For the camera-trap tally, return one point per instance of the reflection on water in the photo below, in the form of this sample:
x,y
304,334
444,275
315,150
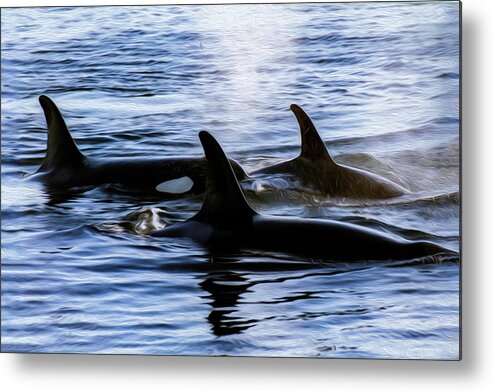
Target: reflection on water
x,y
225,290
380,81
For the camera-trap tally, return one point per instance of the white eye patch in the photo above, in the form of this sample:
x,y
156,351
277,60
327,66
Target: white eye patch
x,y
176,186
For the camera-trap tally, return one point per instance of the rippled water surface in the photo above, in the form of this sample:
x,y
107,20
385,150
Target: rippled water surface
x,y
381,83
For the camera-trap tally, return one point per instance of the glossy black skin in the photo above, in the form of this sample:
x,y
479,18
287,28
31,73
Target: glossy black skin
x,y
65,167
132,174
336,180
316,169
226,222
314,238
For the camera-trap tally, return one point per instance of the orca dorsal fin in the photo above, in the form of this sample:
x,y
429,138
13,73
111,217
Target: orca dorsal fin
x,y
224,202
312,145
61,149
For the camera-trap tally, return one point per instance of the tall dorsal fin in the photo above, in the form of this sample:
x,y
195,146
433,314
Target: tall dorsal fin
x,y
224,203
312,145
61,149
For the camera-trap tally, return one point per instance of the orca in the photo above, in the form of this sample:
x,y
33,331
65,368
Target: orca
x,y
227,222
316,169
65,167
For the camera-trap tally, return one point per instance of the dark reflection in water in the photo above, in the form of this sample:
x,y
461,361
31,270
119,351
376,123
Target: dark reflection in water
x,y
225,289
379,80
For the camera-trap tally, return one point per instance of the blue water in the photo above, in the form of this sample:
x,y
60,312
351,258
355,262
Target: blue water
x,y
381,83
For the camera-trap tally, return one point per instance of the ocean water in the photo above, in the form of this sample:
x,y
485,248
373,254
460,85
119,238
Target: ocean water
x,y
381,83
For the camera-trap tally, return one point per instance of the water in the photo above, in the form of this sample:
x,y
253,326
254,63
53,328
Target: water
x,y
380,82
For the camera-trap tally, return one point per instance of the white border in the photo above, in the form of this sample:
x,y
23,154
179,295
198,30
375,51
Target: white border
x,y
30,3
30,372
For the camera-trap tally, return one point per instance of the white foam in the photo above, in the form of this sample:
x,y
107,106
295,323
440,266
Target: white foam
x,y
176,186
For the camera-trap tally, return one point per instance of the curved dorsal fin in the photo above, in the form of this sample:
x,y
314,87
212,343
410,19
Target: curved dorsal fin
x,y
224,202
61,149
312,145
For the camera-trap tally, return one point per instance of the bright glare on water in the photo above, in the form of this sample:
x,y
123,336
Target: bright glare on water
x,y
381,83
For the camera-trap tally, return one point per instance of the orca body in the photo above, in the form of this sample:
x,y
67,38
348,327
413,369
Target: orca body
x,y
65,167
226,222
315,168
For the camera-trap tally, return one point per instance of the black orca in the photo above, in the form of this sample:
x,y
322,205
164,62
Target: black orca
x,y
227,222
315,168
65,167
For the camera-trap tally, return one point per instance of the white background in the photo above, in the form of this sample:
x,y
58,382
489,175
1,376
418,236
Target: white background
x,y
474,373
